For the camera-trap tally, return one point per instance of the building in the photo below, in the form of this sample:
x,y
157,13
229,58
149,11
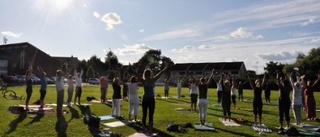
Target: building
x,y
183,70
19,56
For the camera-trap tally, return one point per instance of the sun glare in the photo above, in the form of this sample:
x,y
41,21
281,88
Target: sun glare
x,y
57,5
62,4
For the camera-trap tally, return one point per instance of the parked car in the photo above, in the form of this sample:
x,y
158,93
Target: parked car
x,y
49,81
21,78
35,80
94,81
10,79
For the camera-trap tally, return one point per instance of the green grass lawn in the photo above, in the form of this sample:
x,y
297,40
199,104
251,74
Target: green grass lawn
x,y
23,125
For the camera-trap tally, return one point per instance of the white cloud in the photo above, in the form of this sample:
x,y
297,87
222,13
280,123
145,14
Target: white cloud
x,y
310,21
272,15
11,34
315,40
135,49
243,33
96,14
111,19
84,5
280,56
183,31
141,30
189,48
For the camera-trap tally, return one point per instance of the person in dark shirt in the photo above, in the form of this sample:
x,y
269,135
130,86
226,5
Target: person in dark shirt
x,y
148,101
116,97
226,96
267,92
283,101
203,101
257,100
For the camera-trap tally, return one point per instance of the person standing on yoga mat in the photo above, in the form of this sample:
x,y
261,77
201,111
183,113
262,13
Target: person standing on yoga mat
x,y
179,88
267,91
193,87
283,101
296,97
310,101
166,87
257,100
219,92
240,90
70,89
233,92
116,97
226,96
203,98
78,79
133,98
60,90
29,86
103,88
148,101
43,85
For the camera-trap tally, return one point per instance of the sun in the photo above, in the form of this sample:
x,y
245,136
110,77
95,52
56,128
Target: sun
x,y
54,5
62,4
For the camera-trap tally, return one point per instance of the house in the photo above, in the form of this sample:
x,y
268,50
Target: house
x,y
17,57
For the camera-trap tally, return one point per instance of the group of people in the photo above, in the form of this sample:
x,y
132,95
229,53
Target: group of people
x,y
59,84
301,88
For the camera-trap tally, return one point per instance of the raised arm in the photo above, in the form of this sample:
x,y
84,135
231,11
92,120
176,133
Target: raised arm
x,y
211,77
159,73
81,73
130,70
316,82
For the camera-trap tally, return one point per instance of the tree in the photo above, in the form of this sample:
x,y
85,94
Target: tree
x,y
154,60
90,72
113,65
272,68
97,64
308,64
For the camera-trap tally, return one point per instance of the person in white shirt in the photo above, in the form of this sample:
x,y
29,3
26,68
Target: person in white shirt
x,y
78,80
60,90
133,98
193,87
296,98
233,92
70,89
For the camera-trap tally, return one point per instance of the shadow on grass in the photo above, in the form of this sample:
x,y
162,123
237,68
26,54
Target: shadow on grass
x,y
74,113
139,128
240,133
37,118
14,124
61,126
167,100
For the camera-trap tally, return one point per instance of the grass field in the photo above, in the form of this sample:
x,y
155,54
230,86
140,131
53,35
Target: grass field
x,y
72,124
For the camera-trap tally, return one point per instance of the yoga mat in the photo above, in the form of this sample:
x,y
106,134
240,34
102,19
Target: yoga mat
x,y
305,125
141,134
117,123
106,117
261,128
230,123
30,106
206,127
95,101
53,104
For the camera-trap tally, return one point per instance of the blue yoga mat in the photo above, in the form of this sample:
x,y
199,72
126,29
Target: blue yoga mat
x,y
106,117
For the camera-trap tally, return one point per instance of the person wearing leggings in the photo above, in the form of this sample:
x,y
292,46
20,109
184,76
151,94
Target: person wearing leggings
x,y
257,100
203,101
29,86
283,101
226,96
148,101
267,92
296,98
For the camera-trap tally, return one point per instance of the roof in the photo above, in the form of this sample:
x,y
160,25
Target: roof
x,y
208,66
181,66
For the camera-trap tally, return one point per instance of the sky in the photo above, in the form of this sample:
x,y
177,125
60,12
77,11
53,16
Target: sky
x,y
187,31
